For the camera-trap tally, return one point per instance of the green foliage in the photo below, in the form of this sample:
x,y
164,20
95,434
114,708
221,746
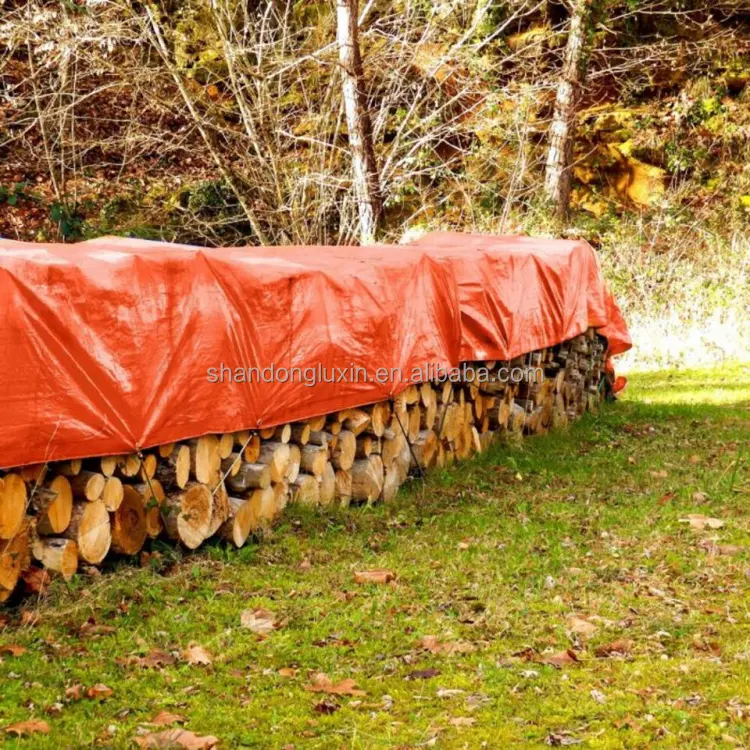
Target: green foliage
x,y
70,221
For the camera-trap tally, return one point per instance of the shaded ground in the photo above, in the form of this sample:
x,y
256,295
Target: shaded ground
x,y
568,601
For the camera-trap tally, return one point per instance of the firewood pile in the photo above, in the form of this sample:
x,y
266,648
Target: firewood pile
x,y
62,515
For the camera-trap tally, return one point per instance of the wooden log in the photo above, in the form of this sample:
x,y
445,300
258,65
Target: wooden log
x,y
391,447
88,485
165,451
295,460
283,433
14,559
517,418
153,497
391,485
317,423
415,419
112,494
12,504
334,427
205,460
277,456
320,437
34,473
252,449
313,459
129,523
127,467
219,509
380,415
364,445
446,393
267,433
174,471
108,464
149,464
230,465
187,515
367,479
342,454
90,529
69,468
344,486
356,421
249,477
281,494
243,520
53,503
424,449
226,445
57,555
301,433
328,484
428,414
305,490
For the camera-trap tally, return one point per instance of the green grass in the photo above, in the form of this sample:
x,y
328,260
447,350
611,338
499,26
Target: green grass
x,y
498,553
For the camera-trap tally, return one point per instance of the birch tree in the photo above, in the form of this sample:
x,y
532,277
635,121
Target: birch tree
x,y
359,125
562,130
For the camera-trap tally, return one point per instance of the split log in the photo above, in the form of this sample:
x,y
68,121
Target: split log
x,y
69,468
305,490
243,520
415,419
320,437
57,555
108,464
328,484
14,559
219,509
252,449
334,427
149,464
226,445
230,465
281,494
53,503
127,467
314,459
205,460
153,498
249,477
367,479
283,433
391,484
264,501
344,486
174,471
277,456
343,452
356,421
12,505
88,485
424,449
187,515
317,423
165,451
364,446
380,415
129,523
295,460
112,494
90,529
301,433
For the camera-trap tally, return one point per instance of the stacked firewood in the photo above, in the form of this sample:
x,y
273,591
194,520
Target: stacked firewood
x,y
233,485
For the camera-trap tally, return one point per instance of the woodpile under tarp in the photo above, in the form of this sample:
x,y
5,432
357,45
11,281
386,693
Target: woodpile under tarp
x,y
61,515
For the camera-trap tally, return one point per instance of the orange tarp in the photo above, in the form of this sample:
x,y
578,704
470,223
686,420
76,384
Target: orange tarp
x,y
106,345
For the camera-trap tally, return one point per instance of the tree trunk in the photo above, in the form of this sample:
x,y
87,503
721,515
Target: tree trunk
x,y
366,178
562,131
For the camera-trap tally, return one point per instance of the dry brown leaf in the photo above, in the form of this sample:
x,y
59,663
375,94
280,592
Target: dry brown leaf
x,y
321,683
581,626
288,672
699,497
260,621
74,693
661,474
35,580
374,576
12,649
559,659
197,656
620,647
32,726
435,646
177,738
99,692
699,521
423,674
155,658
165,718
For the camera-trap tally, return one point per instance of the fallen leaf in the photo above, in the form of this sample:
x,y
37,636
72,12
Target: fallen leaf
x,y
177,738
462,721
155,658
422,674
165,718
700,522
374,576
661,474
32,726
699,497
260,621
434,646
197,656
598,696
35,580
12,649
288,672
321,683
74,693
620,647
667,498
99,692
559,659
695,459
581,626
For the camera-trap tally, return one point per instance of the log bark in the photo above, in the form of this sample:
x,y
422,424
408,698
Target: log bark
x,y
249,477
88,485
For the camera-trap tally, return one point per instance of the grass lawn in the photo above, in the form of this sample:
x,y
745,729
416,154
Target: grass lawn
x,y
545,594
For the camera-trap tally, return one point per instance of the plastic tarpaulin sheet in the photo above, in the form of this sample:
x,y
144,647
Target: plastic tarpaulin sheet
x,y
107,345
